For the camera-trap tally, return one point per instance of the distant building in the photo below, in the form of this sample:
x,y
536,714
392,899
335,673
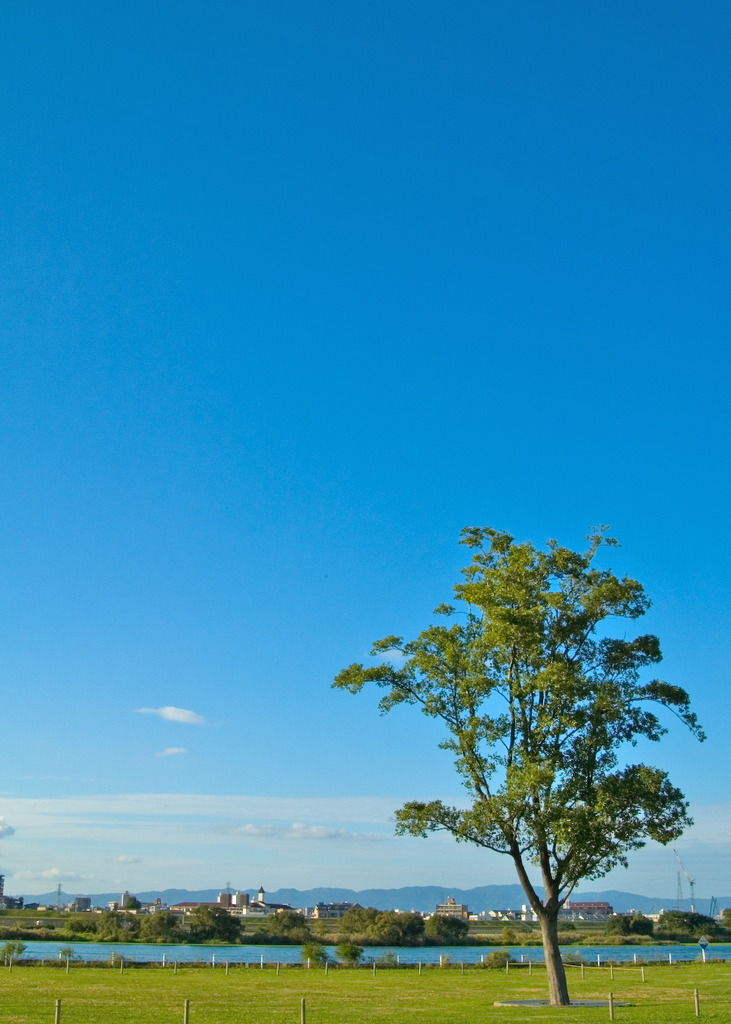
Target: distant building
x,y
80,904
9,902
504,915
188,906
452,909
578,911
332,910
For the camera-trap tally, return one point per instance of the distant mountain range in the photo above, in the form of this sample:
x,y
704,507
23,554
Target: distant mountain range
x,y
417,897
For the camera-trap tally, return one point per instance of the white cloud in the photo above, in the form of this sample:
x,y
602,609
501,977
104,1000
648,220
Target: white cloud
x,y
171,752
51,874
50,812
127,858
173,714
297,830
5,829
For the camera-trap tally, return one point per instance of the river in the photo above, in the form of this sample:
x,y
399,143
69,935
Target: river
x,y
258,956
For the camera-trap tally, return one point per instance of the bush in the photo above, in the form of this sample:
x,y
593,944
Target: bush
x,y
498,958
315,953
349,953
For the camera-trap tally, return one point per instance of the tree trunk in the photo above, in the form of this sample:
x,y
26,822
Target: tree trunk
x,y
557,988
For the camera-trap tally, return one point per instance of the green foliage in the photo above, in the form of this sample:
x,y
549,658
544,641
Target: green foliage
x,y
446,930
538,701
623,924
132,903
11,950
641,925
314,952
80,924
680,922
114,926
498,958
618,925
286,926
383,927
349,952
162,926
208,923
358,919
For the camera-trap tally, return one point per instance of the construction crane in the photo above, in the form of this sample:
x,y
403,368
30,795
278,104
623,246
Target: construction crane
x,y
691,882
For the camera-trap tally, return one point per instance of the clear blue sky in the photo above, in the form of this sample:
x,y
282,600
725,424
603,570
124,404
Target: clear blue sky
x,y
291,293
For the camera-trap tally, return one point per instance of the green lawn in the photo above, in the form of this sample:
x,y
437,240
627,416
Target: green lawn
x,y
94,995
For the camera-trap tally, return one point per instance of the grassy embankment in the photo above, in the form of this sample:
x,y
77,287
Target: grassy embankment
x,y
155,996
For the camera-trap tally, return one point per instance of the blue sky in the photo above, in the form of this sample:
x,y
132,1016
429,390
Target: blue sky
x,y
292,293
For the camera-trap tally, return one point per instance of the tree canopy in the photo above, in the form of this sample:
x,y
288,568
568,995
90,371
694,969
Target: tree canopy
x,y
540,706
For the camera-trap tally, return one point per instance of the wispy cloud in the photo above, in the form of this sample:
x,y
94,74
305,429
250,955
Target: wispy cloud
x,y
173,714
5,829
171,752
299,831
51,874
127,858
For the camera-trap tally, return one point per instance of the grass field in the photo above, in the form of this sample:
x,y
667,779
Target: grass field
x,y
94,995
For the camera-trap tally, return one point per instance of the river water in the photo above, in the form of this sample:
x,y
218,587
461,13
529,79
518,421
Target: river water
x,y
259,956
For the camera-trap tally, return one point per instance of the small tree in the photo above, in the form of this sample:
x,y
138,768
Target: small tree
x,y
540,703
12,950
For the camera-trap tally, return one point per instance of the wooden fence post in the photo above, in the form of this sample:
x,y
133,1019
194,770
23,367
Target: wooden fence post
x,y
186,1010
57,1012
697,1002
611,1006
302,1011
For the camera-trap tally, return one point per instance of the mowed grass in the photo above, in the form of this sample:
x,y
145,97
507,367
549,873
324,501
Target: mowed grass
x,y
254,996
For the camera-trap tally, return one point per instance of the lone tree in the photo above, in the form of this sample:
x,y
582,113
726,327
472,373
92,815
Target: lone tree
x,y
541,706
